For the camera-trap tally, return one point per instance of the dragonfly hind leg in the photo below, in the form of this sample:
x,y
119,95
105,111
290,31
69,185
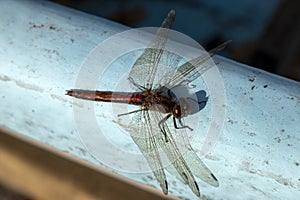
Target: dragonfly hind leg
x,y
162,128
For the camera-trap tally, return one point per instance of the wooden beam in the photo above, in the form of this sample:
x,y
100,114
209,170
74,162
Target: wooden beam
x,y
45,173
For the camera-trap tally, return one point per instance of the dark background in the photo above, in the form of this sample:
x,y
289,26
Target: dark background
x,y
264,34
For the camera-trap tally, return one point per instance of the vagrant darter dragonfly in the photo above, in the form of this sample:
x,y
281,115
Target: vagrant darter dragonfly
x,y
157,104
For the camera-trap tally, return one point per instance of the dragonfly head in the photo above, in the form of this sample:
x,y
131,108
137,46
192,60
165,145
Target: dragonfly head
x,y
181,109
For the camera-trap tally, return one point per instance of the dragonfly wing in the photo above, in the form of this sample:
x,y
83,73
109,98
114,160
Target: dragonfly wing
x,y
147,143
196,165
192,69
199,169
144,69
174,155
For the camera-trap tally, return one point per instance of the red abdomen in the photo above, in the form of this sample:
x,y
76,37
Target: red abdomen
x,y
135,98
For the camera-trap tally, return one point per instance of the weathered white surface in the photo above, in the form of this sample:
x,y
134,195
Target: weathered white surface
x,y
42,46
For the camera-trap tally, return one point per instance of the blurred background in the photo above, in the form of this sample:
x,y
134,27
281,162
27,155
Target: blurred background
x,y
265,34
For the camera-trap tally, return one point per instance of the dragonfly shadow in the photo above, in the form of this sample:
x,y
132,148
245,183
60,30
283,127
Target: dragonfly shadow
x,y
199,103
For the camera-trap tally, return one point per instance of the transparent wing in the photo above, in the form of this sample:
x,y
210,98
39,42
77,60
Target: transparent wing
x,y
151,141
196,165
142,135
178,149
144,69
192,69
169,147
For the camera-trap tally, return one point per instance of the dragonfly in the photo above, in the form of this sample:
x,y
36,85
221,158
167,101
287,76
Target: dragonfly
x,y
157,104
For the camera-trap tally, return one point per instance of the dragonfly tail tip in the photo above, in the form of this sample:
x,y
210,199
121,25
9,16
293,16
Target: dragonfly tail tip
x,y
69,92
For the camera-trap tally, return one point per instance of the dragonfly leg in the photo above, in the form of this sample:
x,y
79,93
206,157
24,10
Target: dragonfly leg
x,y
128,113
140,87
162,128
181,124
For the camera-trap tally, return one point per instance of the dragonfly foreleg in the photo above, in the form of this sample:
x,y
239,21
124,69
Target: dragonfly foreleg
x,y
181,124
162,128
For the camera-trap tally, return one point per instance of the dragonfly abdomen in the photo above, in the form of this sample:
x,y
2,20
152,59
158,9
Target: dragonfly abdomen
x,y
107,96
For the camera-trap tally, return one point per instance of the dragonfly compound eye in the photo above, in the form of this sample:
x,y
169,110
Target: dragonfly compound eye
x,y
177,111
182,109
